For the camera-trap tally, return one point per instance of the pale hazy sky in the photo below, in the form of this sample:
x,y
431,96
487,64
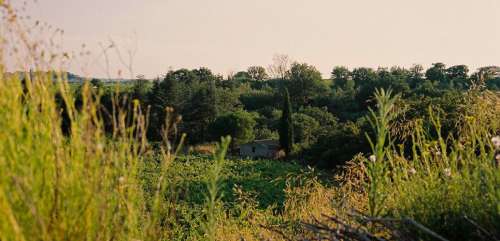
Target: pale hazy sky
x,y
230,35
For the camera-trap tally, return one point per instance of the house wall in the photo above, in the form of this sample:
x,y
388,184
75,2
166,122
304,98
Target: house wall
x,y
260,151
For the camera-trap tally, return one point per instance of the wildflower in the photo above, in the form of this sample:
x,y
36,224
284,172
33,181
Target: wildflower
x,y
178,119
412,171
496,142
447,172
121,180
438,153
373,158
100,146
497,157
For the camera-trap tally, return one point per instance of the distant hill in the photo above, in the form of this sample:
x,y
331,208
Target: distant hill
x,y
74,78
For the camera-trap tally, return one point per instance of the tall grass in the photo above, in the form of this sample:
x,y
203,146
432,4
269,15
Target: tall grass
x,y
62,176
449,184
57,187
214,195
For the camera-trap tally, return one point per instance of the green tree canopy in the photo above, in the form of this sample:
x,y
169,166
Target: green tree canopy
x,y
437,73
341,77
324,118
257,73
305,128
304,83
239,125
200,111
458,77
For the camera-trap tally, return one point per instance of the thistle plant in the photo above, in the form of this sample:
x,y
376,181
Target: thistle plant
x,y
377,166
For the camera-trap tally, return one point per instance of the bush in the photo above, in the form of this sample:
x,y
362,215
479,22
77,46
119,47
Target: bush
x,y
337,146
305,128
240,125
258,99
265,133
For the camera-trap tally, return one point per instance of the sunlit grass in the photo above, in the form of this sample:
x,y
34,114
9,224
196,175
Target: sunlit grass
x,y
450,185
56,187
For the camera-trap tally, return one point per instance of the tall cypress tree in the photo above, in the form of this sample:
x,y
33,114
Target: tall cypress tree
x,y
286,125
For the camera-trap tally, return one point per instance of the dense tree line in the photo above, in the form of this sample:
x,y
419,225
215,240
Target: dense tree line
x,y
325,117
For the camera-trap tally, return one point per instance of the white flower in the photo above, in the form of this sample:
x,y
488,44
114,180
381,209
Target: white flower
x,y
373,158
447,172
497,157
121,180
496,142
412,171
100,146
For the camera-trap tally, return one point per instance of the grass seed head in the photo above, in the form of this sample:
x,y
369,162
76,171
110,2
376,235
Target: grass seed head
x,y
496,142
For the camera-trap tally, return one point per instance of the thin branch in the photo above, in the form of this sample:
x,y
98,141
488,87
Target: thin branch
x,y
480,228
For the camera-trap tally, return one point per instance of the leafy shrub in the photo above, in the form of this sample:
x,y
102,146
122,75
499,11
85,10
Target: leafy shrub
x,y
305,128
240,125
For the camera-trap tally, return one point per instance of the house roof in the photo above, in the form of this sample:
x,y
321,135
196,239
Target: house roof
x,y
267,143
